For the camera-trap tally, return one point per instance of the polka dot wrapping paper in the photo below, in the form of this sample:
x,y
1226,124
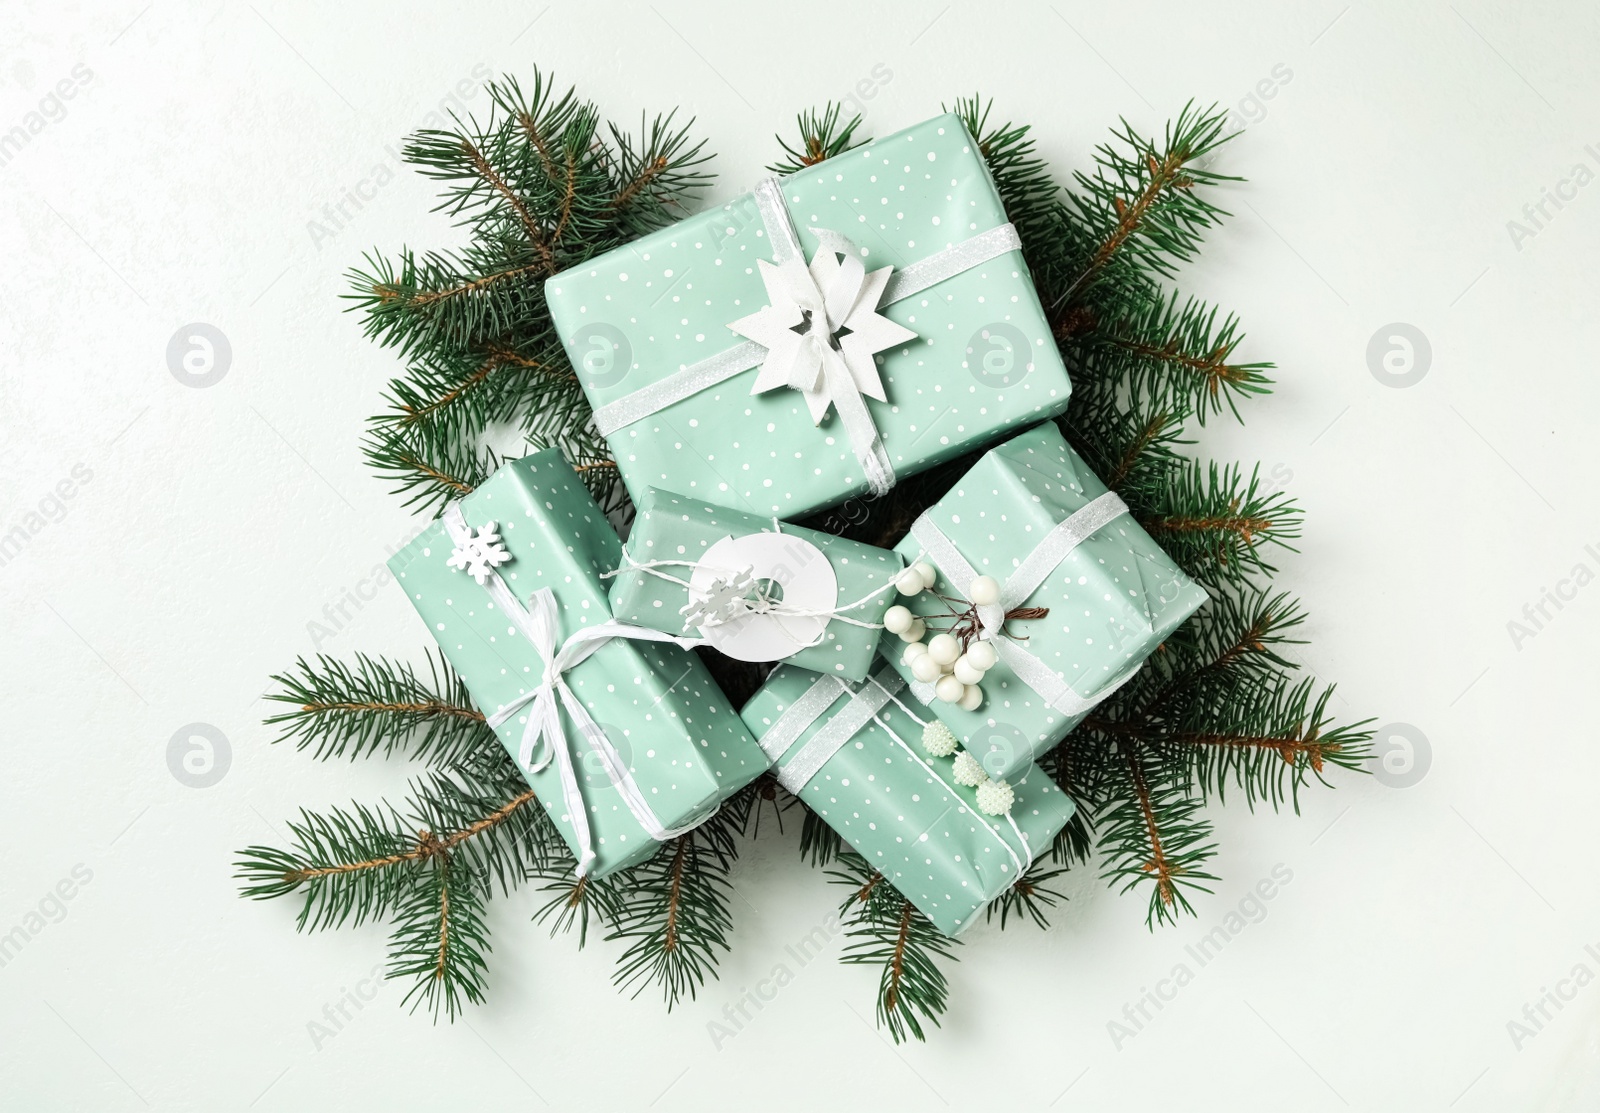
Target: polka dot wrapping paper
x,y
983,361
1111,602
924,833
672,527
659,707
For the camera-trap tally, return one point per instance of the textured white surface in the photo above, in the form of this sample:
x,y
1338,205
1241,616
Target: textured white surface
x,y
180,185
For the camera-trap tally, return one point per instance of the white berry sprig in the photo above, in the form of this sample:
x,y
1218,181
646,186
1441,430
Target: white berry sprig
x,y
955,660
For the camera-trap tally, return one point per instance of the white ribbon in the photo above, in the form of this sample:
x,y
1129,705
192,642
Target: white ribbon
x,y
1023,582
541,626
833,292
865,705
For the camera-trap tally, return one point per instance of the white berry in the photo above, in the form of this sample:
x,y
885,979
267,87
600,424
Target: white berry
x,y
966,672
971,698
949,689
926,669
995,797
937,739
944,649
981,656
967,771
915,633
913,651
929,574
909,582
897,620
984,590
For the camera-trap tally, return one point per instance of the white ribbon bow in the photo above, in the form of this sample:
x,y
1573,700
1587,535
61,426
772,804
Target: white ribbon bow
x,y
540,623
821,329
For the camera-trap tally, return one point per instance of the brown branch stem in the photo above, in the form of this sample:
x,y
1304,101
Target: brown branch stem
x,y
891,995
428,707
1158,863
428,845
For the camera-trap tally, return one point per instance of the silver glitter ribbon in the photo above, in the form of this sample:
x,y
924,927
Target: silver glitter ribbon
x,y
1014,592
864,704
854,416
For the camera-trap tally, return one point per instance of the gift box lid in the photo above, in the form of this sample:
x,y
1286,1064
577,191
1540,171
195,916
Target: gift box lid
x,y
1111,595
982,357
557,538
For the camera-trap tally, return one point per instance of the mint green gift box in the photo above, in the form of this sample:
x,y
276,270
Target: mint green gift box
x,y
898,807
676,529
983,360
1111,601
685,747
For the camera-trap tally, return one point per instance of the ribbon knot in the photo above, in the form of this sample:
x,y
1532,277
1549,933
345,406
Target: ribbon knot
x,y
543,734
991,620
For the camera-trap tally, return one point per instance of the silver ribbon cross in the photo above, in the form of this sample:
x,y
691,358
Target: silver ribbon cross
x,y
835,301
1023,582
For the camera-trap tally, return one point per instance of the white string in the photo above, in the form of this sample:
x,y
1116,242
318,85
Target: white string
x,y
544,703
915,718
777,608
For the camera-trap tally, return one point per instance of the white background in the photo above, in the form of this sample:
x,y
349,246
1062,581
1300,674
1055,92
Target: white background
x,y
179,187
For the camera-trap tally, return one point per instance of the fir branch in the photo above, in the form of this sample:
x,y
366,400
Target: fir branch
x,y
356,864
377,705
673,910
575,899
1129,440
888,932
824,133
674,915
476,388
1216,524
427,464
1140,209
1030,896
1023,179
819,843
1176,354
439,301
440,939
1269,738
1152,833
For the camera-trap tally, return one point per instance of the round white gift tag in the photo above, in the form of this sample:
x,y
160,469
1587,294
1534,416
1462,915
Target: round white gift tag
x,y
797,567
